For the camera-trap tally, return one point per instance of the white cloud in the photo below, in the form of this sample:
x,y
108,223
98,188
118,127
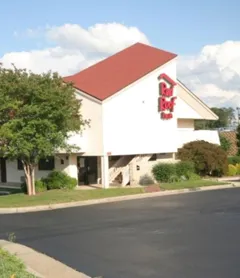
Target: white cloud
x,y
75,47
213,73
104,39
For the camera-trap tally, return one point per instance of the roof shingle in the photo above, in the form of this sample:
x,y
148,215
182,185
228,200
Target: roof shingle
x,y
109,76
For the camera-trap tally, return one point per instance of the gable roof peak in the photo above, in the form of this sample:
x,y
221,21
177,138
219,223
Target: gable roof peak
x,y
116,72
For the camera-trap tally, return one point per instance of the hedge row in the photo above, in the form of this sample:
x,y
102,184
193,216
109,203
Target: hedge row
x,y
172,172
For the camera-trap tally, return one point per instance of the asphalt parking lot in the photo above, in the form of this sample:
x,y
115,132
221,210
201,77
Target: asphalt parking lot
x,y
189,235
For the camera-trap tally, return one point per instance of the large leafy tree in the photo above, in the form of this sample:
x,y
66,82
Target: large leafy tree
x,y
37,114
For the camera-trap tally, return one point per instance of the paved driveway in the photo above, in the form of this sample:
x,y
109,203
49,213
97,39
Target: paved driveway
x,y
193,235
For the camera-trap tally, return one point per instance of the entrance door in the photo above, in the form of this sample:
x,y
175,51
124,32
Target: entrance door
x,y
87,170
3,169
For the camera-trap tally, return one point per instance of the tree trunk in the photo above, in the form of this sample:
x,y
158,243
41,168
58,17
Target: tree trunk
x,y
32,175
29,171
27,177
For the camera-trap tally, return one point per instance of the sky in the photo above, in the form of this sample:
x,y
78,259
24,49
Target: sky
x,y
68,36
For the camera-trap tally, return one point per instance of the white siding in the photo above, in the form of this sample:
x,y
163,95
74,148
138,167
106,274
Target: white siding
x,y
91,139
131,120
185,111
14,175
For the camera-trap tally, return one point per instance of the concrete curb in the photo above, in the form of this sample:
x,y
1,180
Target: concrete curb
x,y
114,199
39,264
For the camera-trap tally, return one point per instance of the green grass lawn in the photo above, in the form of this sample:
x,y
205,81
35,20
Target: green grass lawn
x,y
189,184
12,267
65,196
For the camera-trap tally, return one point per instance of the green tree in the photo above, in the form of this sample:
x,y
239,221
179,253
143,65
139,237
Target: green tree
x,y
37,114
225,116
225,143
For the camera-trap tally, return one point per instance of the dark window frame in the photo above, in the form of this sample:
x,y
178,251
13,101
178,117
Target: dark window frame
x,y
47,164
20,165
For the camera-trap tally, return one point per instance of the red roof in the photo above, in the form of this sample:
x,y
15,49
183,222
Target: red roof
x,y
109,76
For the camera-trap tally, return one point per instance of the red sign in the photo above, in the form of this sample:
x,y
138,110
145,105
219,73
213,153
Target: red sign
x,y
166,101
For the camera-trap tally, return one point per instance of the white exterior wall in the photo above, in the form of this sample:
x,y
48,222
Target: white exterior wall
x,y
184,111
131,120
91,139
14,175
186,124
185,136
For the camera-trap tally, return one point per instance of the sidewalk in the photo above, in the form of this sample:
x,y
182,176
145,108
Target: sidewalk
x,y
39,264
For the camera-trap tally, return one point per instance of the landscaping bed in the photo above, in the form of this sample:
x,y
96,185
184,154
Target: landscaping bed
x,y
12,267
65,196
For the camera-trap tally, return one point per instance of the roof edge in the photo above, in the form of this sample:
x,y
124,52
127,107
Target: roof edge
x,y
198,99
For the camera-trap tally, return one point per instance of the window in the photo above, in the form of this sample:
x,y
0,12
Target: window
x,y
19,164
46,164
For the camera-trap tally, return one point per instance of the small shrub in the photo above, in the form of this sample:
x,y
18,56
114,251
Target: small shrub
x,y
163,172
193,176
209,159
40,186
238,168
146,180
59,180
184,167
232,170
233,160
174,178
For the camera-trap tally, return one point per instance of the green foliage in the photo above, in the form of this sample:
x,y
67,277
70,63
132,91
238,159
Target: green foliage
x,y
225,143
59,180
238,168
225,116
183,168
163,172
12,267
233,160
37,114
40,186
174,178
232,170
173,172
208,159
193,176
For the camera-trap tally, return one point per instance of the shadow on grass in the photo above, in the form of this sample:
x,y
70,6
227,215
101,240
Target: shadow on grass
x,y
10,190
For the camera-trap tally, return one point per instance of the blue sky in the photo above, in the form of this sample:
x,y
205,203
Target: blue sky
x,y
182,26
205,34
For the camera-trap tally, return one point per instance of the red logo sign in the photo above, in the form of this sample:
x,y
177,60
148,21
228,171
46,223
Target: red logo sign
x,y
166,101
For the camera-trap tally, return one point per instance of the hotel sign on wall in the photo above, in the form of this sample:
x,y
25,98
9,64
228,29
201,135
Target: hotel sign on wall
x,y
166,100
